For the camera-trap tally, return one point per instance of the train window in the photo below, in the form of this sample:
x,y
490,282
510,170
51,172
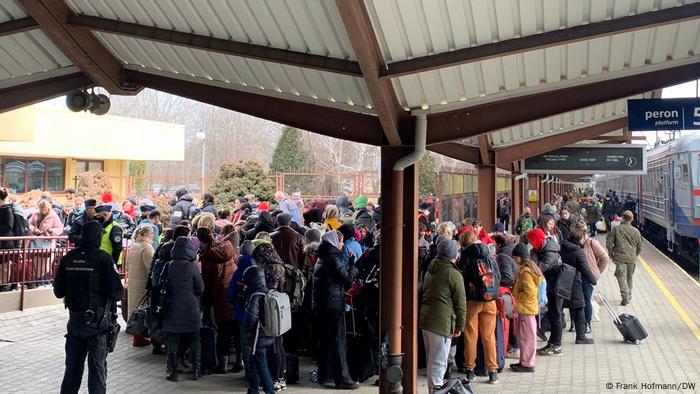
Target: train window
x,y
685,174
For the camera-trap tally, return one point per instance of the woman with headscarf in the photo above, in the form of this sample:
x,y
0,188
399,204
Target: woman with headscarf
x,y
330,279
331,217
257,372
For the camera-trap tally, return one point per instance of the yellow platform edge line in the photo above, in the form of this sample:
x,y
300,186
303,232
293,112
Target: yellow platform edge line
x,y
674,303
678,267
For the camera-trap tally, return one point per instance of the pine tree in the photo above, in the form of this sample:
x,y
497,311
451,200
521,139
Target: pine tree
x,y
290,156
236,179
427,175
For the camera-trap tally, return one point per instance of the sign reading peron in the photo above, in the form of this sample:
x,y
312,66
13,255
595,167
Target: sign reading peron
x,y
663,114
590,159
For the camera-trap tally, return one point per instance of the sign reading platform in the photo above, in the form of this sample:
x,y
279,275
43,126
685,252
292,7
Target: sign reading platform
x,y
590,159
663,114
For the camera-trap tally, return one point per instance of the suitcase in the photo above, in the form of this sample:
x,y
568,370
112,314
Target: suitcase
x,y
629,326
208,356
480,369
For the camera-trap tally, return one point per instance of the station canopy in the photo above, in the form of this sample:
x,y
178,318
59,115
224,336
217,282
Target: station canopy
x,y
497,80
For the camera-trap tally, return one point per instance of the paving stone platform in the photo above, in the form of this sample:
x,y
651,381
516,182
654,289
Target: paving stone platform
x,y
33,363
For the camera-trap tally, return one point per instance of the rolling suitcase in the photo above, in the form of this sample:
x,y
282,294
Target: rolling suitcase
x,y
629,326
208,356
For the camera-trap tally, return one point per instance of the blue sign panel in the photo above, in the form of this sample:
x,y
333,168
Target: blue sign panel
x,y
663,114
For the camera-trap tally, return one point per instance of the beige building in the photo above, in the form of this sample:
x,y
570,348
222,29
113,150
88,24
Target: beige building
x,y
48,148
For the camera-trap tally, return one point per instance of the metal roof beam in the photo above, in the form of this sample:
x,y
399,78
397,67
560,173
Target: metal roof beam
x,y
15,26
543,40
485,150
364,43
473,121
548,144
78,44
226,47
33,92
457,151
351,126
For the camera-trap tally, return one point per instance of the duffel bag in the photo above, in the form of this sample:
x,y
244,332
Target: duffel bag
x,y
137,324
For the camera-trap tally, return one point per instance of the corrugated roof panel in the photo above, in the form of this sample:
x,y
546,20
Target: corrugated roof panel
x,y
9,10
29,53
309,26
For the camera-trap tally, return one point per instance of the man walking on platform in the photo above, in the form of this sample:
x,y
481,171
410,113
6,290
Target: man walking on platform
x,y
624,244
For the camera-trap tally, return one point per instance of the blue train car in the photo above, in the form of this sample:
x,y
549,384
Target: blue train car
x,y
668,195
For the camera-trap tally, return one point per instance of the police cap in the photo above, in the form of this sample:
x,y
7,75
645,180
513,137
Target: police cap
x,y
90,203
104,208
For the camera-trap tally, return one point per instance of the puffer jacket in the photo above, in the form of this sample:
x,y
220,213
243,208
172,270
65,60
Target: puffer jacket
x,y
624,243
506,265
330,279
467,262
218,267
181,210
7,222
254,282
572,254
597,256
260,226
184,288
525,291
548,256
444,306
234,293
564,227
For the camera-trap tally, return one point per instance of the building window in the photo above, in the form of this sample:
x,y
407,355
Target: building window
x,y
80,166
21,175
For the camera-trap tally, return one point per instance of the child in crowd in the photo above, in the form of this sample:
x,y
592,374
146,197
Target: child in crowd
x,y
525,291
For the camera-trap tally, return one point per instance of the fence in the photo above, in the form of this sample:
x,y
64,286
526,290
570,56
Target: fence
x,y
34,261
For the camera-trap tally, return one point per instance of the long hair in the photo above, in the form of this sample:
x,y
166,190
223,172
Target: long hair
x,y
525,262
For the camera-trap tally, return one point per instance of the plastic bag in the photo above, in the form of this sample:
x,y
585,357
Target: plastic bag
x,y
601,226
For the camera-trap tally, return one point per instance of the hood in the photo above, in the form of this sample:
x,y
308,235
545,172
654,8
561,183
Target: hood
x,y
507,250
254,281
439,264
528,271
92,235
327,250
569,247
220,252
186,197
183,249
181,192
477,250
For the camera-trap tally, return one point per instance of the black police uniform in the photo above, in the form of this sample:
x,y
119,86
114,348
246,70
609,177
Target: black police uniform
x,y
88,281
76,228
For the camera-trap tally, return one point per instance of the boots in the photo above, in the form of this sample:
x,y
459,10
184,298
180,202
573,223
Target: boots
x,y
222,366
196,356
172,367
237,365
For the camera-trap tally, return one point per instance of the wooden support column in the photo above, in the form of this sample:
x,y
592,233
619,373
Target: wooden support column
x,y
487,196
516,198
533,183
409,288
390,280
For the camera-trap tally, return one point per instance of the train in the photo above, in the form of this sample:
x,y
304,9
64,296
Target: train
x,y
668,196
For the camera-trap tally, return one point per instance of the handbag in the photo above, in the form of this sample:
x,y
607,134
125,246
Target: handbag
x,y
137,323
565,281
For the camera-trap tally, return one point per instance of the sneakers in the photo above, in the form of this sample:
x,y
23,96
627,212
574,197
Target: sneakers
x,y
520,368
470,375
550,350
514,355
348,386
280,385
584,341
588,328
493,377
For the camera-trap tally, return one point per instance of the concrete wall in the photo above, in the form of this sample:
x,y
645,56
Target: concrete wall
x,y
10,300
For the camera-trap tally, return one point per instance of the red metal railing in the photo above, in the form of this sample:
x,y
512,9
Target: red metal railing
x,y
34,261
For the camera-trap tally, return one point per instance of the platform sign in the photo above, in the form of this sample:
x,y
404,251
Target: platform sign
x,y
663,114
627,159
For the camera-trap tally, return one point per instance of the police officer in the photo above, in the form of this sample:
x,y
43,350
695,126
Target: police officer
x,y
88,282
113,234
76,227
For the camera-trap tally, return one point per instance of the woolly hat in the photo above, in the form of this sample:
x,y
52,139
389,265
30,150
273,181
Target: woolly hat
x,y
361,202
536,238
284,219
520,250
447,248
498,227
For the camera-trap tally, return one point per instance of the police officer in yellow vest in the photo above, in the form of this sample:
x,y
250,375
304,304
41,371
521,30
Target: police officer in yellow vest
x,y
113,234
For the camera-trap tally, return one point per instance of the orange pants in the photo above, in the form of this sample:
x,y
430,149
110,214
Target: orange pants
x,y
481,321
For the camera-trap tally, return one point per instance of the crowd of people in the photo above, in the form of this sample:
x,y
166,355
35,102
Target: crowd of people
x,y
209,273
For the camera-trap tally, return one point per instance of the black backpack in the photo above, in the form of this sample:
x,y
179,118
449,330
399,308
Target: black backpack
x,y
488,279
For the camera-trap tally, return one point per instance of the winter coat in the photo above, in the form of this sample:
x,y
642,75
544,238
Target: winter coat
x,y
592,213
309,256
364,216
218,267
444,306
596,255
288,206
289,245
525,291
184,288
564,227
50,225
470,254
313,215
624,243
260,226
572,254
138,265
7,221
506,265
548,256
332,224
573,207
210,208
181,210
352,250
521,220
253,312
330,279
234,293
